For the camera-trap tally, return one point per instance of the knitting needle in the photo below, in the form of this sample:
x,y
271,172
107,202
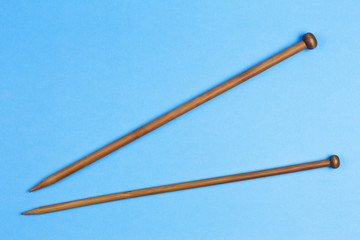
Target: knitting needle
x,y
308,41
333,162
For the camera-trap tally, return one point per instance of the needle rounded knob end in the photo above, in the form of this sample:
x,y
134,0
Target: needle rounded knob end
x,y
310,40
334,161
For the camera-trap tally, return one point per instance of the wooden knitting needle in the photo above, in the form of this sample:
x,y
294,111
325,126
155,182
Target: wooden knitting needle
x,y
333,161
308,41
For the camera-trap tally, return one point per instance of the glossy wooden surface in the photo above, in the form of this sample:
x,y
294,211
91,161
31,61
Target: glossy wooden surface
x,y
333,162
309,41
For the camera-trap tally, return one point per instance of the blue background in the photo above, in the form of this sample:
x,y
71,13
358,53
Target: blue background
x,y
76,76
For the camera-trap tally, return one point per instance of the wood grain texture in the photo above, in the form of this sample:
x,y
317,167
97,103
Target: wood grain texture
x,y
308,42
333,162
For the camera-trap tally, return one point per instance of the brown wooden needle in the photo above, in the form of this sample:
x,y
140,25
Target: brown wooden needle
x,y
309,41
333,161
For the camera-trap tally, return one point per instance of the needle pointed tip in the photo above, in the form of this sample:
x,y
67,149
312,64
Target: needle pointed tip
x,y
39,186
27,213
34,188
